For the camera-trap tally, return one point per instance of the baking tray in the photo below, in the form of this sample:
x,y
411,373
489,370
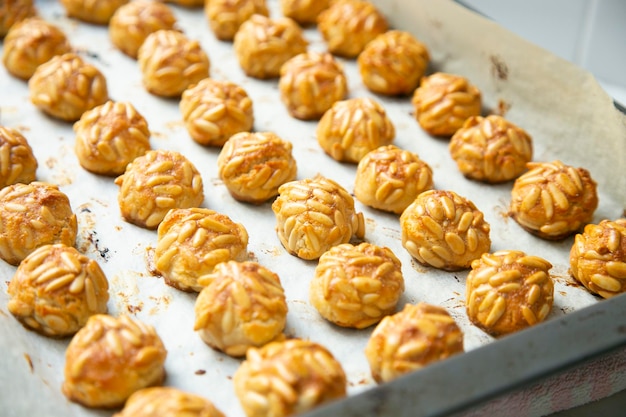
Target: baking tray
x,y
536,89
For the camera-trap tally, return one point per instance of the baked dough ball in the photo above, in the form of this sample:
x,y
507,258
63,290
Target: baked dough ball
x,y
389,178
598,258
226,16
443,102
14,11
444,230
92,11
17,161
34,215
508,291
66,86
347,26
170,63
286,378
56,289
310,83
491,149
215,110
315,214
29,44
356,286
263,45
417,336
111,358
352,128
254,165
155,183
241,306
304,12
192,241
167,402
133,22
109,137
393,63
553,200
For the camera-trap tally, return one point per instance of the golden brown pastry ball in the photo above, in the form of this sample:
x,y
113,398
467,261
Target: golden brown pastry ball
x,y
215,110
443,102
389,178
187,3
29,44
263,45
192,241
34,215
14,11
347,26
56,289
393,63
111,358
491,149
304,12
417,336
155,183
226,16
310,83
66,86
170,62
133,22
352,128
356,286
508,291
92,11
167,402
315,214
598,258
553,200
254,165
109,137
289,377
444,230
241,306
17,161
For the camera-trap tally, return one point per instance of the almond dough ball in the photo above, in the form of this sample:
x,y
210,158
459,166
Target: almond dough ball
x,y
133,22
347,26
92,11
56,289
167,402
30,43
242,305
17,161
443,102
315,214
226,16
415,337
254,165
356,286
34,215
155,183
304,12
393,63
444,230
352,128
508,291
598,258
192,241
109,137
110,358
553,200
263,45
170,63
215,110
14,11
390,179
66,86
491,149
310,83
289,377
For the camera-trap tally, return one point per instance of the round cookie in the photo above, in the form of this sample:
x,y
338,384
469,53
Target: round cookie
x,y
19,164
226,16
167,402
93,11
14,11
304,12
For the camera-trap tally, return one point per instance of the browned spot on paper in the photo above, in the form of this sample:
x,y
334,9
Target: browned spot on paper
x,y
29,361
134,308
502,109
418,267
175,124
51,162
499,68
200,372
149,258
